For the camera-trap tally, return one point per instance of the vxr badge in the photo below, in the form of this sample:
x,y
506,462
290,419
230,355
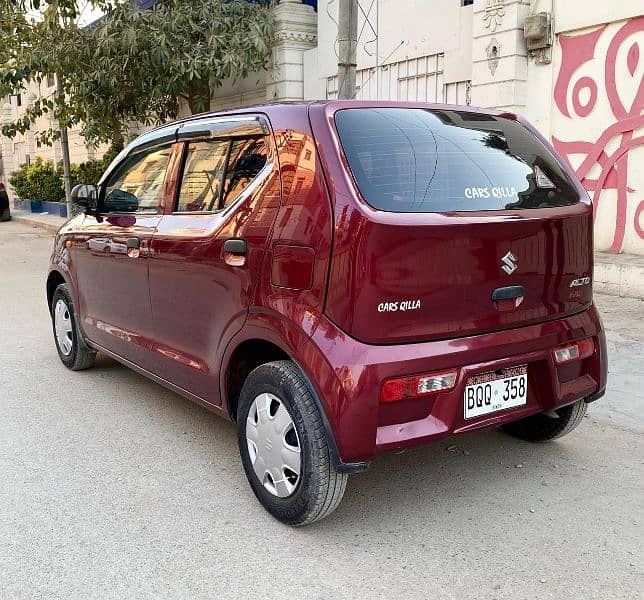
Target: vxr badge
x,y
509,263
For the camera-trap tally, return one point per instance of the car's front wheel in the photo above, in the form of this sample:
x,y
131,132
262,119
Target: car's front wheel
x,y
283,446
545,427
74,353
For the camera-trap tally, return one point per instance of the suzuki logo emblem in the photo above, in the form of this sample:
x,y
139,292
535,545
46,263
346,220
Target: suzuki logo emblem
x,y
509,263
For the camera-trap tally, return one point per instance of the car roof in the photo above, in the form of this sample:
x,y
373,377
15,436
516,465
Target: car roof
x,y
166,132
330,105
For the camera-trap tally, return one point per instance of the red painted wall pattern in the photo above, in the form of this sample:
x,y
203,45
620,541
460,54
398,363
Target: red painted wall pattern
x,y
627,117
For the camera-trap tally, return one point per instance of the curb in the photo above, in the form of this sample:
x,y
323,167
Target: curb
x,y
619,275
50,227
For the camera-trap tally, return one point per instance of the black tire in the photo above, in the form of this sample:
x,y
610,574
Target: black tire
x,y
543,428
320,487
81,356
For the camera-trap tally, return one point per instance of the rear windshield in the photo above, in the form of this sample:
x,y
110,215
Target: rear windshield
x,y
421,160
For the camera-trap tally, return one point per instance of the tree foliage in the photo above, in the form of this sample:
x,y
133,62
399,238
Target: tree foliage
x,y
92,170
134,64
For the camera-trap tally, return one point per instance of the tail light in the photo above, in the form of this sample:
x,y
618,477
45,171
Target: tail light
x,y
417,386
575,351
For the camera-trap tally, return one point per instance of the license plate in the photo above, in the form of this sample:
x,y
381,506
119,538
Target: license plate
x,y
497,390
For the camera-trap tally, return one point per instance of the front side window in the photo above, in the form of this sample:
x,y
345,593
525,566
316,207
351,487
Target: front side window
x,y
216,172
433,160
138,182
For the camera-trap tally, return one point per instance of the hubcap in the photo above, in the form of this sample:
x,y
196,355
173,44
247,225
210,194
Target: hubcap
x,y
273,445
63,327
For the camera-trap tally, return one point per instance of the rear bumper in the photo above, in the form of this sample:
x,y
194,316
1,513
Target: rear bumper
x,y
363,427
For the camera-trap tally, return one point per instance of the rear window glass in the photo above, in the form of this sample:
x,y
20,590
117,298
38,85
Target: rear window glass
x,y
421,160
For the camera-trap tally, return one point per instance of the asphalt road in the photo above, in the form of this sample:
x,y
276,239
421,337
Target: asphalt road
x,y
113,487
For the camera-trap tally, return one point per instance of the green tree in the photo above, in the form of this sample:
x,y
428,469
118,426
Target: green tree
x,y
134,65
92,170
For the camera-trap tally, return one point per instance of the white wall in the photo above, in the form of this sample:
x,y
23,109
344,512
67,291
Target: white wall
x,y
577,14
406,31
597,137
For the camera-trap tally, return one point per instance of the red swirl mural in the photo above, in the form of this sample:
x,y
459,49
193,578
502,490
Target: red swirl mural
x,y
627,117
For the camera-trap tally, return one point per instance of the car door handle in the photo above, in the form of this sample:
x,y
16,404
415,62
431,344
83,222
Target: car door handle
x,y
235,246
507,293
234,252
508,298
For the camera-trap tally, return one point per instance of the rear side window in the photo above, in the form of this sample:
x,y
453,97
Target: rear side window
x,y
247,159
421,160
216,171
202,176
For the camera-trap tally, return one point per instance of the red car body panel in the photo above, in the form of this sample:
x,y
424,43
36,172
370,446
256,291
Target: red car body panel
x,y
320,261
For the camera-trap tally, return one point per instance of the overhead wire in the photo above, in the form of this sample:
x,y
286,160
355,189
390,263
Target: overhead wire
x,y
367,21
402,43
364,24
337,27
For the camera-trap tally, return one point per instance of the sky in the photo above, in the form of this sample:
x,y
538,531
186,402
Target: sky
x,y
88,13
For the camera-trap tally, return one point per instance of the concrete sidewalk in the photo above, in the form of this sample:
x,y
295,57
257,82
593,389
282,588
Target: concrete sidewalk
x,y
615,274
45,221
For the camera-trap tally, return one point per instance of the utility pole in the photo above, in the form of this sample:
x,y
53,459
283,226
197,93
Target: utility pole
x,y
347,46
64,145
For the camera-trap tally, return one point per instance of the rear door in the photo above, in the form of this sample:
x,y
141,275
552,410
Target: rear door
x,y
453,223
209,247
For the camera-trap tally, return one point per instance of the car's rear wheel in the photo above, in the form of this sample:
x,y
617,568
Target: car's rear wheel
x,y
74,353
283,446
545,427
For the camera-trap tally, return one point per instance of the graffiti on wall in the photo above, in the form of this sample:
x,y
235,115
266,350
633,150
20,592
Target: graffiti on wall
x,y
600,88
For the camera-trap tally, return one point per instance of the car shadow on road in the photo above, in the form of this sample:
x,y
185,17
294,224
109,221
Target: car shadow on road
x,y
460,477
435,481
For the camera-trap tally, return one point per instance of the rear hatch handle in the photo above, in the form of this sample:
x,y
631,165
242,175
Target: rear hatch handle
x,y
508,297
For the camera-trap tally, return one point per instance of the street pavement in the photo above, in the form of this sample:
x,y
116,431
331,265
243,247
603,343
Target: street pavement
x,y
113,487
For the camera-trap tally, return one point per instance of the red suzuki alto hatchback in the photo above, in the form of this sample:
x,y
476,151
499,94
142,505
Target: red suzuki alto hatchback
x,y
340,279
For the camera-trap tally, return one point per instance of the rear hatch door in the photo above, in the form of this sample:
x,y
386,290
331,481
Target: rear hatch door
x,y
449,223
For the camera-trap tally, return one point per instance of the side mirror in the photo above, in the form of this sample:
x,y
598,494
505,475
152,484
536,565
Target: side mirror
x,y
84,195
121,201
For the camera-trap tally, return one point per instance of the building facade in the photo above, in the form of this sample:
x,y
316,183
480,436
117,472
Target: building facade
x,y
24,147
575,69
